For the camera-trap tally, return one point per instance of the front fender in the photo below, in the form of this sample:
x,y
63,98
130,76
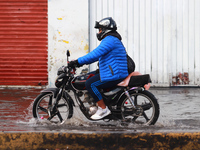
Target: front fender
x,y
51,90
55,92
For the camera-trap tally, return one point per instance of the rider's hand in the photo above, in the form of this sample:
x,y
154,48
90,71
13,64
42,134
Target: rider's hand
x,y
74,64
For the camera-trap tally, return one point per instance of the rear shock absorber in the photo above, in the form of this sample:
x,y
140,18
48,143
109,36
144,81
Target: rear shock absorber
x,y
130,98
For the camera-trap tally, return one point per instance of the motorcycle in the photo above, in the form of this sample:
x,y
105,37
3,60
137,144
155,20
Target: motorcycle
x,y
128,101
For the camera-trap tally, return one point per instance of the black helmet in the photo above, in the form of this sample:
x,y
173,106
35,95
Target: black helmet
x,y
107,25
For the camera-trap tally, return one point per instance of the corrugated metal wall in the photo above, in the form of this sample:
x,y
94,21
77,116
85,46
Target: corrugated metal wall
x,y
162,36
23,42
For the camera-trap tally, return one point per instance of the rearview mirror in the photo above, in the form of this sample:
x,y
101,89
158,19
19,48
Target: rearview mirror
x,y
68,53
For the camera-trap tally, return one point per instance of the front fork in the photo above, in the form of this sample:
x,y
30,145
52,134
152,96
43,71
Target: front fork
x,y
52,111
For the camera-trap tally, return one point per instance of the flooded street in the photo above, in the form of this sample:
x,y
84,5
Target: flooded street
x,y
179,112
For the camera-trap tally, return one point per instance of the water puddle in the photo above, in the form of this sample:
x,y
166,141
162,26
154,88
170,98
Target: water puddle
x,y
179,112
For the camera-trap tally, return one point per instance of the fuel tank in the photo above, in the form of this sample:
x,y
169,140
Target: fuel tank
x,y
79,81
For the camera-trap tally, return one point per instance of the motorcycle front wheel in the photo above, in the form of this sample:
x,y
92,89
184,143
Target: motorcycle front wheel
x,y
45,110
146,109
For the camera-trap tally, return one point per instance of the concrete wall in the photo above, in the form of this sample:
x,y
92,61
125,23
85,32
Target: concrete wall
x,y
67,29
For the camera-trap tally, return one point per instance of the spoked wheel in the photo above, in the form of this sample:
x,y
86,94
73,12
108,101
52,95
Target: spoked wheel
x,y
45,110
146,109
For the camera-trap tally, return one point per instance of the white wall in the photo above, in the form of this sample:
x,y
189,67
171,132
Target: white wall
x,y
67,29
162,36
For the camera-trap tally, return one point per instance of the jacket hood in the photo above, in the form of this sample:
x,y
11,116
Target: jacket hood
x,y
115,34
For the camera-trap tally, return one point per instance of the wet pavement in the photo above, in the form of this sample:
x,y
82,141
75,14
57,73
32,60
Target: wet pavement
x,y
179,112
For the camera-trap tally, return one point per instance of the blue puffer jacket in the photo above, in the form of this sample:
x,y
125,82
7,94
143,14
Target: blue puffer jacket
x,y
112,59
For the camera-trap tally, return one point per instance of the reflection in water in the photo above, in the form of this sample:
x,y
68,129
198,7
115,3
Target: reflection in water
x,y
15,106
179,111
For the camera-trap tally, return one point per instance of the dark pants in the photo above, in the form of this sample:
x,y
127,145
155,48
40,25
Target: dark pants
x,y
93,85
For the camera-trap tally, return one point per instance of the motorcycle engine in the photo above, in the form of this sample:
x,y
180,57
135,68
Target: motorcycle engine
x,y
93,110
92,105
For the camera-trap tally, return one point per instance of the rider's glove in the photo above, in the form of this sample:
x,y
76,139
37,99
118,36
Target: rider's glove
x,y
74,64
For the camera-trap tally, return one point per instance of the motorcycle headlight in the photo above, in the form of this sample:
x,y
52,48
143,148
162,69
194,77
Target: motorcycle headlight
x,y
59,80
60,70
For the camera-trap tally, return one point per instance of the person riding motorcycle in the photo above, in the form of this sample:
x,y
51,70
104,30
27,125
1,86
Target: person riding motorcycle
x,y
112,58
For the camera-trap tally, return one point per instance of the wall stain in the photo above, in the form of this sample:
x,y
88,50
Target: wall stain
x,y
65,41
86,48
181,79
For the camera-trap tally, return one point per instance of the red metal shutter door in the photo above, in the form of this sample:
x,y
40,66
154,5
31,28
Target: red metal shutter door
x,y
23,42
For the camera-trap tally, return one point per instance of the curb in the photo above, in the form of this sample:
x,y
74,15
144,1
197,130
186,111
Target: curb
x,y
58,141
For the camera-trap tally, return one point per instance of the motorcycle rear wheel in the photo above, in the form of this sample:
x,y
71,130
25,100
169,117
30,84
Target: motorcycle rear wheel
x,y
44,111
147,108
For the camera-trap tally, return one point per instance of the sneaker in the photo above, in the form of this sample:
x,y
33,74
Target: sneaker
x,y
101,113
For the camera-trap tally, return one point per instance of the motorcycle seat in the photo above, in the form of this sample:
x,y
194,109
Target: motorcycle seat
x,y
135,79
